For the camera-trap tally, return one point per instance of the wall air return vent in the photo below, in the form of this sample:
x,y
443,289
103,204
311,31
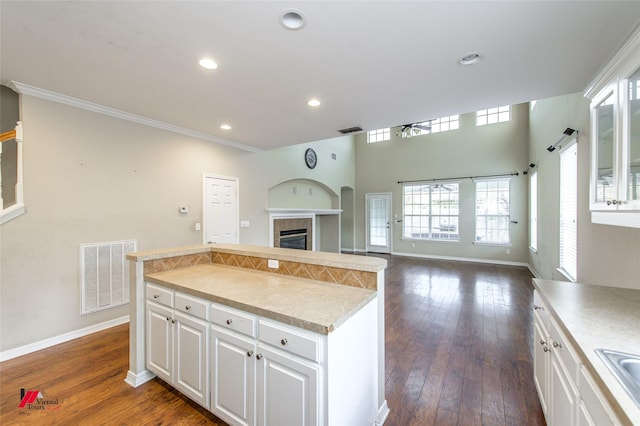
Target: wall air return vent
x,y
350,130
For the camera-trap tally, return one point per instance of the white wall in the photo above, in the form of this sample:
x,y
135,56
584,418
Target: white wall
x,y
607,255
91,178
468,151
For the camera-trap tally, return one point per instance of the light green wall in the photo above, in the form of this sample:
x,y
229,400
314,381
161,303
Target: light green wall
x,y
607,255
469,151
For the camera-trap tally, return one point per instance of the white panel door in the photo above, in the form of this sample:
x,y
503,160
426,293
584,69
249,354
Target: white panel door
x,y
378,222
220,210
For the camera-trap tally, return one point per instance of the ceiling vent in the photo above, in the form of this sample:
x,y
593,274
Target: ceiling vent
x,y
350,130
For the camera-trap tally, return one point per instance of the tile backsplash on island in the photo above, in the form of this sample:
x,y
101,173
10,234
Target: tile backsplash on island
x,y
331,274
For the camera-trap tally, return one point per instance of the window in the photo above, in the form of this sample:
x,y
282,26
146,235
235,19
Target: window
x,y
379,135
569,211
442,124
431,211
533,211
492,211
493,115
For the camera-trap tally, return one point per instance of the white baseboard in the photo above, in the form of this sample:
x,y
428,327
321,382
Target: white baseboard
x,y
56,340
134,380
383,413
463,259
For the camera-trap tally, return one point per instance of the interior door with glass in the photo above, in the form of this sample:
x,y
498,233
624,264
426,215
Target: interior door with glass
x,y
378,222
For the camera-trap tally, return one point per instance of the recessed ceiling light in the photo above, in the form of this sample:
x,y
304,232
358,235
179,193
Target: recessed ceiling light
x,y
292,19
225,127
313,102
208,63
470,59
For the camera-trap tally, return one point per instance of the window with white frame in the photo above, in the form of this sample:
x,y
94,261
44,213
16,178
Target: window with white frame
x,y
533,211
493,115
379,135
492,211
569,211
431,211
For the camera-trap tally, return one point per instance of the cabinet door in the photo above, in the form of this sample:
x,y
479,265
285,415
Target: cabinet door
x,y
630,92
160,341
191,363
287,390
564,399
604,178
540,363
232,377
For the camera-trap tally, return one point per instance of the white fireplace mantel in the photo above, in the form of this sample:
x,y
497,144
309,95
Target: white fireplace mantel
x,y
292,211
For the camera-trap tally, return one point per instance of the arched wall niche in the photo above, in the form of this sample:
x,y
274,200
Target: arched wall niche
x,y
302,194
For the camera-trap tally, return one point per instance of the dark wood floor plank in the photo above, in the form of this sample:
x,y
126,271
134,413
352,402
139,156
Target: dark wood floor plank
x,y
458,352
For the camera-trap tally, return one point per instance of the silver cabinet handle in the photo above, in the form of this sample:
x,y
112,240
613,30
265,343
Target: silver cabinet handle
x,y
168,319
249,353
173,321
188,307
229,321
546,349
259,356
155,296
556,345
542,342
283,341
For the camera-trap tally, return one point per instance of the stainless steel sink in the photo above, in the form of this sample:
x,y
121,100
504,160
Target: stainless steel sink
x,y
626,368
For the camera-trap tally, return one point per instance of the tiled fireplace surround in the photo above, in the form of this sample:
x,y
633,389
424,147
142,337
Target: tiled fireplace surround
x,y
354,278
287,224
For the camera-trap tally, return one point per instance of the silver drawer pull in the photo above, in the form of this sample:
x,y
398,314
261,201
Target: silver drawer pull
x,y
249,353
556,345
229,321
188,307
155,296
259,356
283,341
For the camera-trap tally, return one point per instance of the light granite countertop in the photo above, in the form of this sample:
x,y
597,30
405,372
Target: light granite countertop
x,y
595,317
338,260
313,305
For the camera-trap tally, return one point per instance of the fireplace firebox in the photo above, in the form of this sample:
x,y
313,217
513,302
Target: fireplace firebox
x,y
294,238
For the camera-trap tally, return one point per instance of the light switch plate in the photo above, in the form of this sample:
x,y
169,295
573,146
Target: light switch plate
x,y
272,263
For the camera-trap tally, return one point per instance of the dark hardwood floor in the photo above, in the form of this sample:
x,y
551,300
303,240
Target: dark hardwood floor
x,y
458,342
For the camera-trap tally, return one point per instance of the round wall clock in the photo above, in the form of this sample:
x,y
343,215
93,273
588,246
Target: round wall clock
x,y
310,158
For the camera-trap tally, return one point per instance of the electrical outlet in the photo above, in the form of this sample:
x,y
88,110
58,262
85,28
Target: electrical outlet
x,y
272,263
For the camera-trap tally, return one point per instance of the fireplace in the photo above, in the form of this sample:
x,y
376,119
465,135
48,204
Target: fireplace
x,y
294,238
293,232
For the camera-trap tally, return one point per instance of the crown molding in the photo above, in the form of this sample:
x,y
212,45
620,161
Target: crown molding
x,y
48,95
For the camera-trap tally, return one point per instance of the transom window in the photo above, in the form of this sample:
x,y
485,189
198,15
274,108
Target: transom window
x,y
379,135
493,115
431,211
442,124
492,211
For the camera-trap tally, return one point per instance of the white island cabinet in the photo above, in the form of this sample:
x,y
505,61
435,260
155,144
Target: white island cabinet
x,y
177,343
301,343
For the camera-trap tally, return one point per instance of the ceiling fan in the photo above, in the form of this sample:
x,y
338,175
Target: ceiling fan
x,y
412,129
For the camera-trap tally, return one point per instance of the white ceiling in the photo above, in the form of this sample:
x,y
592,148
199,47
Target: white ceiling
x,y
372,64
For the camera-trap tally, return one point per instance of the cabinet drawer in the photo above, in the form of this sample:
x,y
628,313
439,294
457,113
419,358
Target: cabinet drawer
x,y
289,339
564,350
540,310
233,319
192,305
594,402
160,295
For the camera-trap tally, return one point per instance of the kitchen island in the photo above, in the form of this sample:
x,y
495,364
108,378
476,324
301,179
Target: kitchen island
x,y
309,324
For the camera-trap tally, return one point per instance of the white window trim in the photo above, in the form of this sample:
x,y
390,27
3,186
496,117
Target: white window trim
x,y
570,276
475,216
18,208
403,237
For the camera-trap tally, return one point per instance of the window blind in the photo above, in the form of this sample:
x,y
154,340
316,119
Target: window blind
x,y
569,211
